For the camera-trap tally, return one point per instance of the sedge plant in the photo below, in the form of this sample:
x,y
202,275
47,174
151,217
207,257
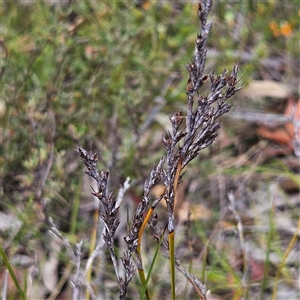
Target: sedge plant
x,y
192,131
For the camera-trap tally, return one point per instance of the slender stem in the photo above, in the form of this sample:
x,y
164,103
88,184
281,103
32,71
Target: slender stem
x,y
172,262
172,233
268,250
92,247
149,213
144,282
12,273
288,250
141,269
141,231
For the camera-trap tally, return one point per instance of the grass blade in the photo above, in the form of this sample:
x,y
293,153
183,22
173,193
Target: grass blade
x,y
152,264
12,273
288,250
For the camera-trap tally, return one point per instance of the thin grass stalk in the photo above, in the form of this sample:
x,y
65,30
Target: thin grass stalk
x,y
288,250
26,283
12,273
190,245
141,269
140,234
239,291
61,282
203,269
152,265
144,283
240,229
267,260
171,238
172,233
172,263
5,285
92,247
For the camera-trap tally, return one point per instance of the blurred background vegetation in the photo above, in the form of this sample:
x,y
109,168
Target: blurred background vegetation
x,y
106,75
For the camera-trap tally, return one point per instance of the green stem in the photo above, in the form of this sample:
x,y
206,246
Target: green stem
x,y
12,273
172,262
